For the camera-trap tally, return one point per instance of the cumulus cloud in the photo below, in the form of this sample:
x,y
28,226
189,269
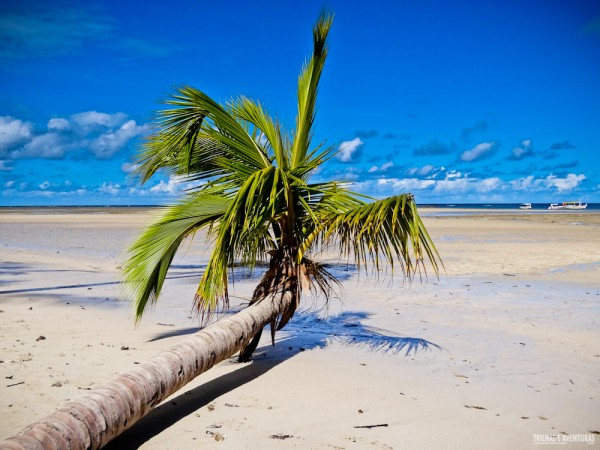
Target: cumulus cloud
x,y
568,183
129,167
107,144
109,188
385,166
48,146
464,184
13,132
454,174
88,133
174,186
93,119
523,184
524,150
459,186
421,171
404,184
58,124
551,182
433,147
349,151
479,152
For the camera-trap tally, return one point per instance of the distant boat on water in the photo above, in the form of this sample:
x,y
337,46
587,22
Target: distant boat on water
x,y
525,206
568,205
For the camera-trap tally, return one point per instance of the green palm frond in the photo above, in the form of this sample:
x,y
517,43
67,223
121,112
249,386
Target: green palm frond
x,y
243,234
201,138
252,112
151,254
384,231
308,82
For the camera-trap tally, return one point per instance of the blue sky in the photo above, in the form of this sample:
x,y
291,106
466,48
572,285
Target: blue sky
x,y
456,102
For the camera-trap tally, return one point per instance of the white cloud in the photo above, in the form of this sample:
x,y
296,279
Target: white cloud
x,y
570,182
45,185
9,184
348,149
454,185
129,167
480,151
13,132
453,174
523,184
4,167
386,166
58,124
172,187
93,118
525,149
421,171
489,184
107,144
102,135
109,188
399,185
383,168
49,145
518,152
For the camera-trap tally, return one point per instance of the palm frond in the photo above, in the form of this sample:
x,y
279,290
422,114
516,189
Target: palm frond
x,y
308,83
243,234
199,137
151,254
253,113
384,231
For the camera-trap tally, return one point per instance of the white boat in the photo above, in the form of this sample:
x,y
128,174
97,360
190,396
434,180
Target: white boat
x,y
568,205
525,206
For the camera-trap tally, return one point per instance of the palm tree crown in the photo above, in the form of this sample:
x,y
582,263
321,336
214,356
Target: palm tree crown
x,y
255,201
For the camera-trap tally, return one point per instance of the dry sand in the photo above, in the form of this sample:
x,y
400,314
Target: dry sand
x,y
516,317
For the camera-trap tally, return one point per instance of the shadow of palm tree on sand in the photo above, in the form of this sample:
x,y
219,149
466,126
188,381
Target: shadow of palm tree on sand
x,y
306,331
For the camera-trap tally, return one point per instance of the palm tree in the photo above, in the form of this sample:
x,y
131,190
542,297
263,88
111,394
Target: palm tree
x,y
253,197
254,200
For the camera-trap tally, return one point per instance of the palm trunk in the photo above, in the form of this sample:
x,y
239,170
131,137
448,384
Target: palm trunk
x,y
280,284
92,420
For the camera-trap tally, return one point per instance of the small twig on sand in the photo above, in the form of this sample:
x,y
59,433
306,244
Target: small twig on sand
x,y
15,384
372,426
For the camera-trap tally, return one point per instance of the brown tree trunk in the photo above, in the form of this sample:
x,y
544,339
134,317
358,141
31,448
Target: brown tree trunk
x,y
92,420
280,285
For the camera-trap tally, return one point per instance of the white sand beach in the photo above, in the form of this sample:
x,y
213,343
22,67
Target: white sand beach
x,y
511,329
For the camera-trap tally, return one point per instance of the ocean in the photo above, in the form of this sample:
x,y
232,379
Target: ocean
x,y
498,206
460,208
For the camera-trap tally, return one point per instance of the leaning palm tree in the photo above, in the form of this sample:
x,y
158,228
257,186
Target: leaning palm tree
x,y
254,198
